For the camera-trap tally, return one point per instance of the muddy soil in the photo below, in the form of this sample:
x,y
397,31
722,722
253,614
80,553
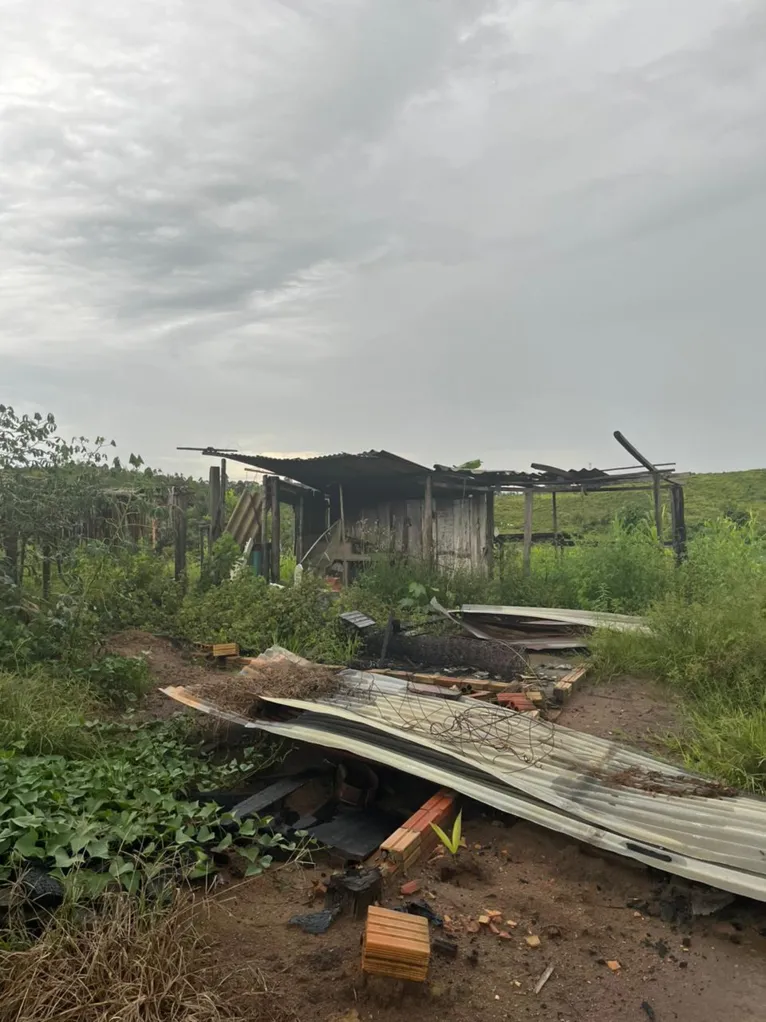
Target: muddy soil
x,y
581,907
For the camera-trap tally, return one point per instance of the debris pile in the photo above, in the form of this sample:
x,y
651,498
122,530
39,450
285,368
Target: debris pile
x,y
280,679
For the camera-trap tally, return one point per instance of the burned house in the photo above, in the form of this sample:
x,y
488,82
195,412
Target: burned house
x,y
346,507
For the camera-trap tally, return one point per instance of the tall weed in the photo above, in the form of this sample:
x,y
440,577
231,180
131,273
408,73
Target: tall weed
x,y
41,714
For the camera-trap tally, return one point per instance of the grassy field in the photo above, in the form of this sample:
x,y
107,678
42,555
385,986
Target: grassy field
x,y
707,497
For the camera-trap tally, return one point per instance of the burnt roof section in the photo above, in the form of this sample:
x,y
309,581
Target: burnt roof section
x,y
332,469
379,470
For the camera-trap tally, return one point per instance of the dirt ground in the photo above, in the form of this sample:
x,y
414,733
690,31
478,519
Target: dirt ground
x,y
581,906
631,710
168,665
586,910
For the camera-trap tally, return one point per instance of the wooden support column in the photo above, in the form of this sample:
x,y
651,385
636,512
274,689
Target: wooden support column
x,y
490,498
265,547
177,503
678,520
299,542
343,531
529,497
224,487
214,503
428,522
275,530
656,483
554,512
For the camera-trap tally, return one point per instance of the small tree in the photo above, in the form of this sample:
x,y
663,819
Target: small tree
x,y
48,488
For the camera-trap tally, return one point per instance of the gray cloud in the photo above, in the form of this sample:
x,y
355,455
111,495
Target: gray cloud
x,y
446,227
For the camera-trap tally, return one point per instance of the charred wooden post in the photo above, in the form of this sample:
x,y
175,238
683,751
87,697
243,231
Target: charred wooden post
x,y
354,891
489,553
529,497
678,520
298,544
224,487
428,522
275,529
657,493
214,507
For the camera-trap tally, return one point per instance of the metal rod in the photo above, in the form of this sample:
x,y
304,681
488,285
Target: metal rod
x,y
627,468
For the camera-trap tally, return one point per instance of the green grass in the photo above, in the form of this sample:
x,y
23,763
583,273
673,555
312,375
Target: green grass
x,y
707,497
708,642
41,714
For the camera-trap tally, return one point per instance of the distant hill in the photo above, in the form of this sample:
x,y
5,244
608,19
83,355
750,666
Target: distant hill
x,y
708,496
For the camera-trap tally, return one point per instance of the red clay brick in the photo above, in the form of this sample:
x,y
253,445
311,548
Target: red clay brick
x,y
515,701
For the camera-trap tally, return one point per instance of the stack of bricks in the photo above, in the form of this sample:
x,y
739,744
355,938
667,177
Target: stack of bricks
x,y
396,945
416,836
563,689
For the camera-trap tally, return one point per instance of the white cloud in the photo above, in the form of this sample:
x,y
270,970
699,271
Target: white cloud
x,y
452,227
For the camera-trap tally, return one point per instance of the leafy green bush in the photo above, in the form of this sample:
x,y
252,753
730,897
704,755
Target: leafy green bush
x,y
218,566
118,680
247,610
623,571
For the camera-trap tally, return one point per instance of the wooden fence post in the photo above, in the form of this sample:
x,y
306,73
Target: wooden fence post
x,y
177,504
214,497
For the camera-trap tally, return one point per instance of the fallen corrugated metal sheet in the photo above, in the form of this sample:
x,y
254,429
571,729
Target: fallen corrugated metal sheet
x,y
314,729
592,789
565,616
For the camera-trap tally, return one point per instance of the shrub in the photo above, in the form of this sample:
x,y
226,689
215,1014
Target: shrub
x,y
118,680
247,610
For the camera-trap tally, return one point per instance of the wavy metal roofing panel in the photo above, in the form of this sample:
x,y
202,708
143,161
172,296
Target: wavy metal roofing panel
x,y
561,615
590,788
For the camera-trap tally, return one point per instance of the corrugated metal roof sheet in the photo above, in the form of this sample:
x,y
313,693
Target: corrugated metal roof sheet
x,y
356,739
325,470
587,787
561,615
331,469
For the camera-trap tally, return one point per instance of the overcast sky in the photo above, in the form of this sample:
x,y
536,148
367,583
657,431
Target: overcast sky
x,y
448,228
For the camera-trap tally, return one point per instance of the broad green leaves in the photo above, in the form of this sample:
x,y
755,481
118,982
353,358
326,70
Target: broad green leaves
x,y
107,820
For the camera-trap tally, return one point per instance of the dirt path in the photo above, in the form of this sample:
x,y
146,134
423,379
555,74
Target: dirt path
x,y
580,906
